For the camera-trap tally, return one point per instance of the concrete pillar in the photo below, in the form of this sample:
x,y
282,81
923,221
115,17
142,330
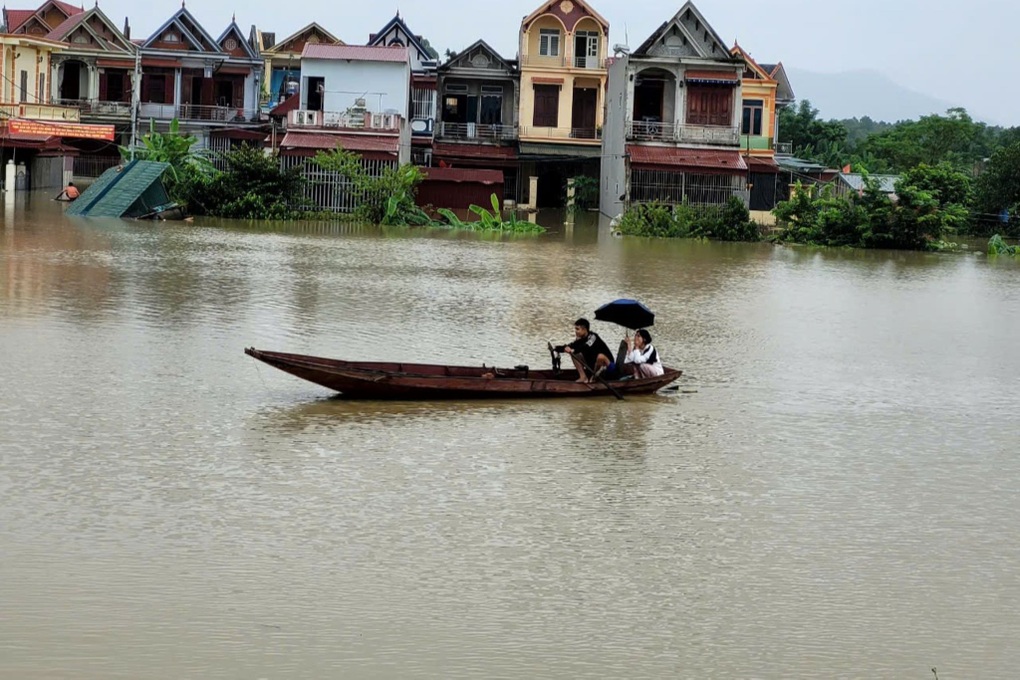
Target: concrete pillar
x,y
533,193
571,193
10,174
177,92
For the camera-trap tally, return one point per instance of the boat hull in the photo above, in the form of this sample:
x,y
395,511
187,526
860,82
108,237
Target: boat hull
x,y
389,380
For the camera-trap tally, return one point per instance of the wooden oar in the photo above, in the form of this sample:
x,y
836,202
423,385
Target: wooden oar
x,y
598,375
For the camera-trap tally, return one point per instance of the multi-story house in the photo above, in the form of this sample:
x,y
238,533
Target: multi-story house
x,y
765,90
40,21
477,124
423,62
673,119
211,85
31,151
563,50
283,60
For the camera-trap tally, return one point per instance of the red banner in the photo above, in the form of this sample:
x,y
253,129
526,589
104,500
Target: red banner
x,y
76,130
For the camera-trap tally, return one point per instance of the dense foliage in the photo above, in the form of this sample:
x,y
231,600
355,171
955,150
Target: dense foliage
x,y
173,148
252,187
929,205
729,222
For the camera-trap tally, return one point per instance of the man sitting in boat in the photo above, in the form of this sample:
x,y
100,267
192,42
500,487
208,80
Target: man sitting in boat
x,y
68,194
589,352
642,359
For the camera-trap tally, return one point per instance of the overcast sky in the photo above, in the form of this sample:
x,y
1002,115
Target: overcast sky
x,y
964,52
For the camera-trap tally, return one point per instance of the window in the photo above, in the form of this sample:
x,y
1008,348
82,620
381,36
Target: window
x,y
170,38
23,95
709,105
753,110
549,42
155,89
547,106
230,44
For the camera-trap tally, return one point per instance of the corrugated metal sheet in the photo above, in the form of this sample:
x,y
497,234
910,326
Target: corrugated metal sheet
x,y
355,53
694,159
117,190
480,151
309,140
474,175
886,183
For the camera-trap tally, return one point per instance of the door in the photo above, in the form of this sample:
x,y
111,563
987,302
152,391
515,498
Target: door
x,y
583,117
586,49
547,106
70,82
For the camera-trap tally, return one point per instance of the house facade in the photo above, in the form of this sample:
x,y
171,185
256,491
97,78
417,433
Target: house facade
x,y
211,85
673,119
563,46
479,95
31,156
283,60
424,62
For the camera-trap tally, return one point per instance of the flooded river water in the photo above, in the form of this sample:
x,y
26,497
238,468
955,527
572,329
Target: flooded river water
x,y
832,493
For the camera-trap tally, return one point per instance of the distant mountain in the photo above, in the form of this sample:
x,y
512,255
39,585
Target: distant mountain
x,y
853,94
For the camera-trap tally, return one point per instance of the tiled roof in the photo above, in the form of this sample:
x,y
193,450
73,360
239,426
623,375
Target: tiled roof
x,y
65,27
291,103
355,53
326,142
69,9
16,17
710,159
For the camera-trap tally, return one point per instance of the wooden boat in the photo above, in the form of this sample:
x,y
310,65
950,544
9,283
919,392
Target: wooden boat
x,y
388,380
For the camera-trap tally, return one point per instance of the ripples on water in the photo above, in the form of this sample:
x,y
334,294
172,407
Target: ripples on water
x,y
831,494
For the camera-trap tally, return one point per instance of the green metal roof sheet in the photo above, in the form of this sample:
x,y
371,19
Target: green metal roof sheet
x,y
117,189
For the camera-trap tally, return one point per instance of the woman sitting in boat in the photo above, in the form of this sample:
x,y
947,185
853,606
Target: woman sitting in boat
x,y
642,359
590,353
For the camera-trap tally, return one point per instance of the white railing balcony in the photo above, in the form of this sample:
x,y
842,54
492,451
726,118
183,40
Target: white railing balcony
x,y
564,133
198,112
589,63
49,112
721,135
477,131
349,120
651,131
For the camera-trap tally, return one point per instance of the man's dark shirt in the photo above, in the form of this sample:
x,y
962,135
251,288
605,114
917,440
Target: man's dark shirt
x,y
589,348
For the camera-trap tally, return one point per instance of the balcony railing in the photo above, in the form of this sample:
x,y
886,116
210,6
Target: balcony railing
x,y
784,148
197,112
95,108
559,61
477,131
722,135
49,112
589,63
755,143
581,134
648,131
353,120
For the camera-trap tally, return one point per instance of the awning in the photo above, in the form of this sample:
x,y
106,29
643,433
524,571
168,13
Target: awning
x,y
762,164
128,64
547,81
369,146
539,151
161,63
695,160
475,152
233,70
712,77
473,175
291,103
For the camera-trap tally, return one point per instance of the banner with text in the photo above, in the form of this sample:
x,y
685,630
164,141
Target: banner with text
x,y
75,130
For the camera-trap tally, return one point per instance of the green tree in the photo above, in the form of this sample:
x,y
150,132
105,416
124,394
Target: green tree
x,y
174,148
809,135
954,138
253,187
387,198
998,191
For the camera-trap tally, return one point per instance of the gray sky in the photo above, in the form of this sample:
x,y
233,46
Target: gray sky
x,y
963,52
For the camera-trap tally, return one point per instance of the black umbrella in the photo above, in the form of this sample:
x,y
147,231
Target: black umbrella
x,y
628,313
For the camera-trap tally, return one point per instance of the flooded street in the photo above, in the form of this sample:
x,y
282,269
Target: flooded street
x,y
833,492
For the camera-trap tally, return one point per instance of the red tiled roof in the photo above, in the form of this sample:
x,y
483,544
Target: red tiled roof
x,y
355,53
69,9
475,175
474,151
16,17
65,27
312,140
289,104
707,159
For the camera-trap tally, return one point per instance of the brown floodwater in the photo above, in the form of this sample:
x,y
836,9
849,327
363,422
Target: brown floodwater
x,y
833,492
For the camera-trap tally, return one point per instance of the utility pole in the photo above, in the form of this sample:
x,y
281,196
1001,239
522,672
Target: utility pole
x,y
136,97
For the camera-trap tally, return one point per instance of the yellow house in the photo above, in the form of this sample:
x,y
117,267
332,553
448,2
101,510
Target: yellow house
x,y
758,122
563,50
25,65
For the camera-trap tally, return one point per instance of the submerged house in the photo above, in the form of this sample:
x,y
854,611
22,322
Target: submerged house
x,y
673,119
563,50
478,127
